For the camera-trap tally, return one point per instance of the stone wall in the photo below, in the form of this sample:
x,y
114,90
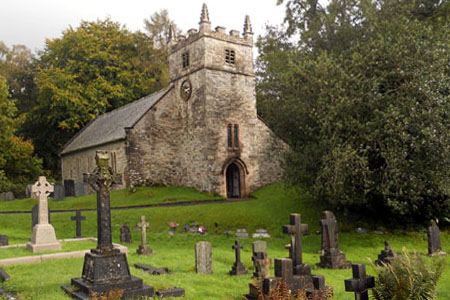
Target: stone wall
x,y
74,164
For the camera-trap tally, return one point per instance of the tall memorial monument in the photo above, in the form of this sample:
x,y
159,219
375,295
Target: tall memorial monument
x,y
44,237
105,268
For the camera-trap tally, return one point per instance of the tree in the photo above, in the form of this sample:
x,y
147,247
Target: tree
x,y
362,97
158,27
18,164
17,66
90,70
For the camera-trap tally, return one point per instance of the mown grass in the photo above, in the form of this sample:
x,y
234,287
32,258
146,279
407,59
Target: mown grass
x,y
66,247
121,198
270,210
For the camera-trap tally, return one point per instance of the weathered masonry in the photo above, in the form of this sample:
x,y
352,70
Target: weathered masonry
x,y
202,131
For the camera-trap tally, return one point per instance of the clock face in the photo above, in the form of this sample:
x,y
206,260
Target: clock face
x,y
186,90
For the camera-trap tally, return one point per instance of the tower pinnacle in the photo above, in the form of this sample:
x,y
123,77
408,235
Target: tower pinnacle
x,y
247,26
204,17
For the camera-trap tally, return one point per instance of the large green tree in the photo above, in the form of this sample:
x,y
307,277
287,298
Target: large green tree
x,y
90,70
361,91
18,163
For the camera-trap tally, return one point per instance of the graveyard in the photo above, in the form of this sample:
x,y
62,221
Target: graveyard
x,y
269,208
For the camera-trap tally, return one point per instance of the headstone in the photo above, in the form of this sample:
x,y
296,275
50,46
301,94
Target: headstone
x,y
3,275
319,290
44,237
238,268
434,240
69,188
203,258
28,192
261,261
332,257
175,292
79,189
78,218
105,268
387,255
144,248
360,283
152,270
193,228
261,233
58,193
7,196
125,234
3,240
241,233
35,216
291,271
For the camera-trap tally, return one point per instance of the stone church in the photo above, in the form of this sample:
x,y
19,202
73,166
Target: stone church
x,y
202,131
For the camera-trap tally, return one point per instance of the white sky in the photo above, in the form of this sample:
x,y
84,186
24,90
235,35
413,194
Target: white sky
x,y
30,22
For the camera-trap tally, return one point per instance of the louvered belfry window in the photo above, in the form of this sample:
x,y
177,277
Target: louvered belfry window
x,y
230,56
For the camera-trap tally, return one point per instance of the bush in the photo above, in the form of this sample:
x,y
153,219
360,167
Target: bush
x,y
408,278
281,292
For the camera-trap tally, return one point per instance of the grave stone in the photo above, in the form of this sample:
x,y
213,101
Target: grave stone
x,y
58,193
144,248
3,240
241,233
78,218
44,237
292,271
434,240
79,189
203,258
174,292
332,257
3,275
387,255
105,268
152,270
125,234
261,233
69,188
319,290
35,217
238,268
261,262
360,283
7,196
28,192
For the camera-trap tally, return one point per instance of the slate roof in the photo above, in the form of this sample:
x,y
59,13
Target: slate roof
x,y
111,126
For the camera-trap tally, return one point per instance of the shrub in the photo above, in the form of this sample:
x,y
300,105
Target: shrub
x,y
408,278
281,292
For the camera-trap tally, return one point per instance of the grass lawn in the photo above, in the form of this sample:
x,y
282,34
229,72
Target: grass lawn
x,y
270,210
121,198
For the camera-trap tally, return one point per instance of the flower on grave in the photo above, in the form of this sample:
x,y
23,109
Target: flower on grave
x,y
186,227
193,224
173,225
201,229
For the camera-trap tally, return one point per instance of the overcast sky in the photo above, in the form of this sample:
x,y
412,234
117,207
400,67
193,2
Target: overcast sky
x,y
30,22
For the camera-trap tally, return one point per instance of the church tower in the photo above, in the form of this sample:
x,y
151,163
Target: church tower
x,y
214,74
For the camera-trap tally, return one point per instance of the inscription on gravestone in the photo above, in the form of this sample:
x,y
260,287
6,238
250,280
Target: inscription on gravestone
x,y
35,218
203,258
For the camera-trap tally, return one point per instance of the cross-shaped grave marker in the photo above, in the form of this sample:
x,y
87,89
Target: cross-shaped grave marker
x,y
360,282
238,268
44,237
143,247
78,218
295,230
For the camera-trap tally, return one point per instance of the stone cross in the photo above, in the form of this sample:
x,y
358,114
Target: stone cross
x,y
360,282
42,189
329,230
143,225
237,249
101,180
434,239
78,218
295,231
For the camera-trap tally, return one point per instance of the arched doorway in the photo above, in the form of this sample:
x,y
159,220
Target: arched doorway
x,y
233,178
